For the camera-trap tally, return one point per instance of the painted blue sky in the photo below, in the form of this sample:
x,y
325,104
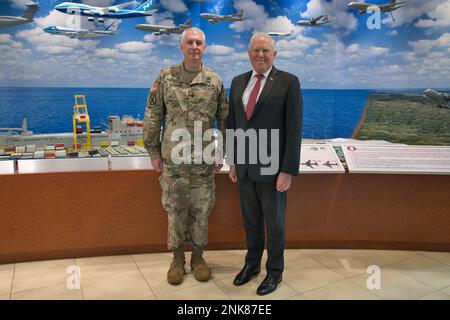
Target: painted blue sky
x,y
413,52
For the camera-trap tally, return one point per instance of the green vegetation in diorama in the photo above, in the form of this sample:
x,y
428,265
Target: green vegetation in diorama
x,y
404,118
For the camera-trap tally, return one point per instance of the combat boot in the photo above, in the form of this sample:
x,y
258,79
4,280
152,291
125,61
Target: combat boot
x,y
198,264
176,270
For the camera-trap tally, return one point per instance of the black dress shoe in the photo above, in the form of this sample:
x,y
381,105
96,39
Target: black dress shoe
x,y
246,274
269,284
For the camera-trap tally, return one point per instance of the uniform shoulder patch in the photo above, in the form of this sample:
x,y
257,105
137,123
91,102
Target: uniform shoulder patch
x,y
153,94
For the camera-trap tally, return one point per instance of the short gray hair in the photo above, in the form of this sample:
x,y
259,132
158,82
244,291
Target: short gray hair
x,y
262,35
183,35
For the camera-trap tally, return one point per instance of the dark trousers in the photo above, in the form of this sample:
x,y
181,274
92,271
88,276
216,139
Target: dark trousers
x,y
263,207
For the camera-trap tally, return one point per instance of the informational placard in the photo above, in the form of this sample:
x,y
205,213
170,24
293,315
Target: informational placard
x,y
131,163
315,158
6,167
319,158
61,165
397,159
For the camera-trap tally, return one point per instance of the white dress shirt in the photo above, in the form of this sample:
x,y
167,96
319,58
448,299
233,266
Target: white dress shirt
x,y
251,84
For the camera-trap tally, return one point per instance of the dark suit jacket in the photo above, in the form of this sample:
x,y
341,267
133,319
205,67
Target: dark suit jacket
x,y
279,106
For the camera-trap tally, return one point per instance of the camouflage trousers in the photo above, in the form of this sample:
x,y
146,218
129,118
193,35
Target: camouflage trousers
x,y
188,195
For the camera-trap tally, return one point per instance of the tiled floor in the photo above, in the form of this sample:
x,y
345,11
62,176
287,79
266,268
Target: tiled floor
x,y
309,274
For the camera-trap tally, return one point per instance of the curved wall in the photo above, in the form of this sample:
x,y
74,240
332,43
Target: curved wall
x,y
59,215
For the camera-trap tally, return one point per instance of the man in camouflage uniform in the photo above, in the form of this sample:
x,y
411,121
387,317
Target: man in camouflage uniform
x,y
183,94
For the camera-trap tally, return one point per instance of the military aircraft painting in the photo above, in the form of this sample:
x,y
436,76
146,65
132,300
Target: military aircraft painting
x,y
280,34
26,17
160,29
441,100
363,7
215,18
314,22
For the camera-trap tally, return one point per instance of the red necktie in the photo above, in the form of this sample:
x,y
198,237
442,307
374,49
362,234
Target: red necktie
x,y
252,100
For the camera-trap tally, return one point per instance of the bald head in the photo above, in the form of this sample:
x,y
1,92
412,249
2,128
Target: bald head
x,y
192,30
262,35
261,51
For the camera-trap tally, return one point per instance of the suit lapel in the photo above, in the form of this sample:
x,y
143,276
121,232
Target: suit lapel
x,y
240,92
266,90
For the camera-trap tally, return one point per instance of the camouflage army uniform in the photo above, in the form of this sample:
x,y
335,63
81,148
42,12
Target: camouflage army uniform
x,y
187,189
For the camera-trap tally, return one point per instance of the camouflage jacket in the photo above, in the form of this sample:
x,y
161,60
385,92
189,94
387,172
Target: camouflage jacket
x,y
173,103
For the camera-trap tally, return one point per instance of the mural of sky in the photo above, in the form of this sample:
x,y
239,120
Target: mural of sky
x,y
412,52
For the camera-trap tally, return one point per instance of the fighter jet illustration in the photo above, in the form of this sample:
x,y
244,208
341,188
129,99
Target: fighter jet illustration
x,y
441,100
329,164
215,18
314,22
280,34
26,17
113,12
83,33
362,7
310,164
159,29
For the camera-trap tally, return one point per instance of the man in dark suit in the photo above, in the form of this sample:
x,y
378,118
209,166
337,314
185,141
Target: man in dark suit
x,y
264,99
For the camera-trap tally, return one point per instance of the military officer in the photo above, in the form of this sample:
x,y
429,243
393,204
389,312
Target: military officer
x,y
185,96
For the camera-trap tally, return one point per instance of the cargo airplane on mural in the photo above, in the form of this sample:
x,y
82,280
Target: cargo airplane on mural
x,y
84,33
280,34
314,22
26,17
364,7
215,18
113,12
441,100
159,29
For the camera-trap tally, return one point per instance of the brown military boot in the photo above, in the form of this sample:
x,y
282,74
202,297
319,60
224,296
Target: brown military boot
x,y
198,264
176,270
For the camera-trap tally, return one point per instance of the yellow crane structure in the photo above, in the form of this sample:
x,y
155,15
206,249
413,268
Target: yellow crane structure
x,y
81,115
